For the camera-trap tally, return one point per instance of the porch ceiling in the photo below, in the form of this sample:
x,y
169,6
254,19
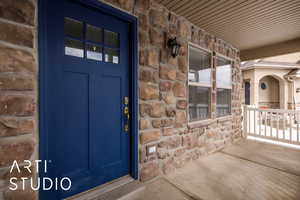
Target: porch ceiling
x,y
247,24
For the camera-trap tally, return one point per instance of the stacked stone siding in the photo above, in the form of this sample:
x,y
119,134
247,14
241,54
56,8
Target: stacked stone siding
x,y
18,91
163,91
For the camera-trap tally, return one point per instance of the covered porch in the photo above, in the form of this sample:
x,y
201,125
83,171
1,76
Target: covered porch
x,y
142,99
247,170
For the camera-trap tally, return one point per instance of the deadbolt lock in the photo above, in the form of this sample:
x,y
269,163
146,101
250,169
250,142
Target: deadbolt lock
x,y
126,100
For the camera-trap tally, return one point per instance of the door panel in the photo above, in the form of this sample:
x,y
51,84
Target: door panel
x,y
75,109
110,105
87,78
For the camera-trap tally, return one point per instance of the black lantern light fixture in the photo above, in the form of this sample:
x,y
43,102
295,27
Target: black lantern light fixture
x,y
174,46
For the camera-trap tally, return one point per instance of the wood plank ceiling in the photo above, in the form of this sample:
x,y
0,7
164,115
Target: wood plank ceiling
x,y
247,24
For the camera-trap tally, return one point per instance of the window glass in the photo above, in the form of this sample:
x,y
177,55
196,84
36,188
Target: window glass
x,y
223,73
199,77
199,66
74,48
111,55
93,39
94,52
224,86
93,33
263,86
223,102
73,28
199,103
111,39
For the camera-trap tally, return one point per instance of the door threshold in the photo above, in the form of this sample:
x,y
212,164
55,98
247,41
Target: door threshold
x,y
97,191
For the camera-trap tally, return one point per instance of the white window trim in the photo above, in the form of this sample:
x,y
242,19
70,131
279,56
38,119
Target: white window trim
x,y
229,88
199,84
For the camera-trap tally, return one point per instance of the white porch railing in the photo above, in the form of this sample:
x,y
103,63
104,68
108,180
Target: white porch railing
x,y
272,124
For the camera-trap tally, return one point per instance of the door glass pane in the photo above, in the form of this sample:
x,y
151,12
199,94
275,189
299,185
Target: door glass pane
x,y
111,39
199,66
93,33
223,102
73,28
94,52
73,48
111,55
223,73
199,101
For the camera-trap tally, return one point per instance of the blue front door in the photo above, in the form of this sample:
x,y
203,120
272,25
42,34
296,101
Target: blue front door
x,y
87,85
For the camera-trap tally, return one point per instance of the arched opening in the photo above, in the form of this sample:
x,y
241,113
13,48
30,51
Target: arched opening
x,y
269,92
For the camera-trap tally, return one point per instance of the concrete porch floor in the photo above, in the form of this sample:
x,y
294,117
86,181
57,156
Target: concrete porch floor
x,y
249,170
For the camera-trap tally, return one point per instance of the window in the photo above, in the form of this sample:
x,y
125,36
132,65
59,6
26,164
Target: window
x,y
199,77
92,43
73,29
263,86
224,86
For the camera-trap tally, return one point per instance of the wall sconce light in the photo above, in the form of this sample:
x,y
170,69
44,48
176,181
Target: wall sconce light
x,y
174,46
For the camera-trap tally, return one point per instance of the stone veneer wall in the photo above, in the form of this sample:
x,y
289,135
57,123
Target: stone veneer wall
x,y
162,89
18,90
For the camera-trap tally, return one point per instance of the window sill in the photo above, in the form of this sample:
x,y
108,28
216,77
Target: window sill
x,y
197,124
224,118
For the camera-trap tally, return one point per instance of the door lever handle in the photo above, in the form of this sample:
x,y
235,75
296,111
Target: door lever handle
x,y
127,116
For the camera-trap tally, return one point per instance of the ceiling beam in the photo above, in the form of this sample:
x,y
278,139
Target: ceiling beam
x,y
277,49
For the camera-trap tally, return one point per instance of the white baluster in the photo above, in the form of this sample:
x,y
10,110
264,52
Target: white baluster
x,y
291,125
297,120
266,121
284,126
254,121
277,125
245,122
271,124
260,122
